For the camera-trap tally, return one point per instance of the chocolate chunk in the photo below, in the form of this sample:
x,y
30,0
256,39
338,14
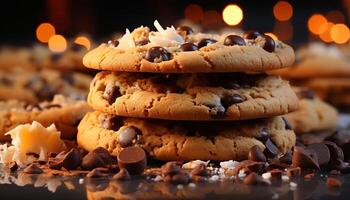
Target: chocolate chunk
x,y
269,44
228,100
71,159
205,42
322,152
255,154
200,170
231,40
33,169
271,151
111,93
157,54
185,29
276,174
13,166
333,182
122,175
294,172
133,159
99,157
179,178
287,126
188,46
110,122
339,137
127,136
286,158
171,168
336,154
276,164
142,42
305,159
254,179
98,172
251,35
257,167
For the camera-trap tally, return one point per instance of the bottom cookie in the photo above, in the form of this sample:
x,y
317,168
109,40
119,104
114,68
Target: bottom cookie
x,y
183,140
313,114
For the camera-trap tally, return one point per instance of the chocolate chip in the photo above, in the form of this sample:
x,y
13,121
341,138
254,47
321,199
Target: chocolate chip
x,y
269,44
185,29
305,159
231,40
127,136
255,154
133,159
188,46
294,172
287,125
336,154
99,157
71,159
228,100
271,150
254,179
200,170
263,134
110,122
111,93
333,182
322,152
122,175
251,35
142,42
98,172
257,167
171,168
179,178
33,169
276,174
205,42
157,54
286,158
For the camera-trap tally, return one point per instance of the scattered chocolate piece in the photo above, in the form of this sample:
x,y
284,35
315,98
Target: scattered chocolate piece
x,y
276,174
133,159
157,54
286,158
13,166
336,154
276,164
257,167
322,152
294,172
99,157
188,46
231,40
333,182
122,175
305,159
72,159
309,176
251,35
127,136
205,42
185,29
254,179
33,169
271,150
111,93
198,179
200,170
110,122
98,172
179,178
288,126
269,45
255,154
171,168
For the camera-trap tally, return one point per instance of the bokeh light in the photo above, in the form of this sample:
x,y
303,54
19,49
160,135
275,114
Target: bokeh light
x,y
315,22
232,14
283,11
194,13
273,36
336,17
340,33
57,43
325,35
45,31
84,41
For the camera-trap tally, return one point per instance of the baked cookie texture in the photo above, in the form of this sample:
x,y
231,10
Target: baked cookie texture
x,y
63,112
181,140
313,114
233,96
184,51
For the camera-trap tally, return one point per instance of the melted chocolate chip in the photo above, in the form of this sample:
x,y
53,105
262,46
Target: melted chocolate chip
x,y
231,40
255,154
188,46
110,122
251,35
185,29
111,93
229,100
205,42
128,136
269,44
157,54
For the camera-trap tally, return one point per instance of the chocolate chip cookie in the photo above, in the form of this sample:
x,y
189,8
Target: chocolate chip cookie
x,y
33,87
229,96
64,113
183,50
313,114
185,140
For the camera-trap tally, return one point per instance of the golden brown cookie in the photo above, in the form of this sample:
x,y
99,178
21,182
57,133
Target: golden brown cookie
x,y
184,140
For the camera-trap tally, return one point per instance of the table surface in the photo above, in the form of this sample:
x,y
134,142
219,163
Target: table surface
x,y
22,186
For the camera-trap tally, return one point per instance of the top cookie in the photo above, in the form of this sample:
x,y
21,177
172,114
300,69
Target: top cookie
x,y
184,51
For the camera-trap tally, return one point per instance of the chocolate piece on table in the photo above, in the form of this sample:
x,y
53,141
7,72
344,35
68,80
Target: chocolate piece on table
x,y
98,172
99,157
269,45
255,154
254,179
294,172
127,136
322,152
276,174
336,154
257,167
133,159
122,175
286,158
171,168
305,159
200,170
33,169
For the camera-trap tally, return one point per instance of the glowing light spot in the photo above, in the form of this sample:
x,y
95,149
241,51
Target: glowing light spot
x,y
315,22
194,13
232,14
273,36
326,35
44,32
283,11
57,43
340,33
84,41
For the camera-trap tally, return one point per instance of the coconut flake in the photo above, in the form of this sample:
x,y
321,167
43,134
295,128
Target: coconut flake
x,y
126,42
194,163
229,164
165,37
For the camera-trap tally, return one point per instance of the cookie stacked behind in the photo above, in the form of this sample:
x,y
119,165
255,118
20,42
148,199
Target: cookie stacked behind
x,y
182,95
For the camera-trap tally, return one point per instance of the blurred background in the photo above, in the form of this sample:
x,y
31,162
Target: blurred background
x,y
296,22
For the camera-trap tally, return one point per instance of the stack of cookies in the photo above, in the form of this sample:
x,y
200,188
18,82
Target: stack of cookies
x,y
182,95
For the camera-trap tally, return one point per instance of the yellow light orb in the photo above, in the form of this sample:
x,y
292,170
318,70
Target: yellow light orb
x,y
44,32
232,14
340,33
57,43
